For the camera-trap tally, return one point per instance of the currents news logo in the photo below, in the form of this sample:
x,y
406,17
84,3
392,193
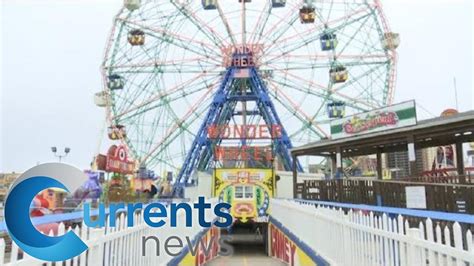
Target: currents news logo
x,y
17,212
59,248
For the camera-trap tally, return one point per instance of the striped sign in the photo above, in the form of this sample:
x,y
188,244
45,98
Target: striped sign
x,y
394,116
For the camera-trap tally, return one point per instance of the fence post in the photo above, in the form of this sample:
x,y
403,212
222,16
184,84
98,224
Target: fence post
x,y
378,193
2,251
96,250
414,252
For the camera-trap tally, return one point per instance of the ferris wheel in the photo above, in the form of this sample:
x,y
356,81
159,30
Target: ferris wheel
x,y
165,61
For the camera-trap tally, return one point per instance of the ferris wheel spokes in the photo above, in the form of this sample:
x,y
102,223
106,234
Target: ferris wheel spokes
x,y
310,84
198,104
160,94
304,117
159,103
226,24
214,36
265,14
311,35
185,42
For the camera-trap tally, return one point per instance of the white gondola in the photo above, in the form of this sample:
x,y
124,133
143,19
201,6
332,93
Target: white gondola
x,y
391,40
132,4
101,99
278,3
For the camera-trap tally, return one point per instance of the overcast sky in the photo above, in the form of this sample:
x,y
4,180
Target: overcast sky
x,y
51,51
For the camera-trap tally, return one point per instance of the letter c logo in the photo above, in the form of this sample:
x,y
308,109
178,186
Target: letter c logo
x,y
17,212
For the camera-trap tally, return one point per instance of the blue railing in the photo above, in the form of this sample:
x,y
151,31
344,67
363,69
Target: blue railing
x,y
434,215
63,217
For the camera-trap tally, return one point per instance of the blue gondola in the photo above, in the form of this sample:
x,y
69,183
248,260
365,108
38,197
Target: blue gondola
x,y
115,82
278,3
328,41
209,4
336,109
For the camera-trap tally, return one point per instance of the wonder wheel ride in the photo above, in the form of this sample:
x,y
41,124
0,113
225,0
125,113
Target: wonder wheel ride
x,y
173,67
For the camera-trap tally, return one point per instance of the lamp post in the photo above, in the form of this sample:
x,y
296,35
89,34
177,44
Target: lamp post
x,y
60,155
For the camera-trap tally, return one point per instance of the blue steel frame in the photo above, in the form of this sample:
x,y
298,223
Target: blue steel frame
x,y
221,112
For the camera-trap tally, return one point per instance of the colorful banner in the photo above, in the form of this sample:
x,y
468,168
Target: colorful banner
x,y
289,249
248,190
395,116
200,258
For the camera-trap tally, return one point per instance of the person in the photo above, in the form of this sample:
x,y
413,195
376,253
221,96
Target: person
x,y
40,207
159,188
166,190
153,190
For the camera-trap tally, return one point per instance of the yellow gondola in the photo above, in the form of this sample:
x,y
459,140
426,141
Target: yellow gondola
x,y
307,14
339,74
117,132
136,37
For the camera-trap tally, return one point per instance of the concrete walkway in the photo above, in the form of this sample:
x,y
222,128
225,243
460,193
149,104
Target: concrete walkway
x,y
246,253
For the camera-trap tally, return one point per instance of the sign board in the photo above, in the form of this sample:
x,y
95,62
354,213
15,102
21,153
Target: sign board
x,y
415,197
289,249
116,161
391,117
248,190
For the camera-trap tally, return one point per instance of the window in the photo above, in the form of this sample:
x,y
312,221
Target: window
x,y
243,192
239,192
248,192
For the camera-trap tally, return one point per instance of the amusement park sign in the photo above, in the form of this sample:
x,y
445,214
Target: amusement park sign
x,y
116,161
395,116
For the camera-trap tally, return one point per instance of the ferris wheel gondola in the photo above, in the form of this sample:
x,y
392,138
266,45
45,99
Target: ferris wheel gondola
x,y
328,41
136,37
132,4
209,4
307,14
278,3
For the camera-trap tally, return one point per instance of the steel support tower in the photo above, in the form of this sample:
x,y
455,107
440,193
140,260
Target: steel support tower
x,y
239,84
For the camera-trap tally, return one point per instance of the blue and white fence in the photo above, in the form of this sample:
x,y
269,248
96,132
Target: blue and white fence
x,y
120,245
345,234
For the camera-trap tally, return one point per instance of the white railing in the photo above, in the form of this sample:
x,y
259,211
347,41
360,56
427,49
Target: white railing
x,y
121,245
354,237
